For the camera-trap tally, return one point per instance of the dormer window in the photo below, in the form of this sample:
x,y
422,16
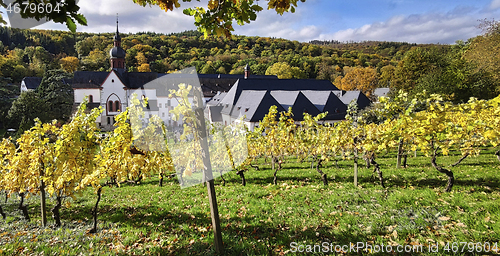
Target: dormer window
x,y
246,109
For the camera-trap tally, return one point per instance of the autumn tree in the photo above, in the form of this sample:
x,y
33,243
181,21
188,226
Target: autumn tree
x,y
69,64
483,51
141,58
144,68
360,79
386,76
415,63
283,71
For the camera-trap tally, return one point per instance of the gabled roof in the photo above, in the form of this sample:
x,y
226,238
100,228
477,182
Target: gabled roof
x,y
297,101
167,82
328,101
275,84
211,84
357,96
335,107
88,79
318,98
136,80
32,82
254,105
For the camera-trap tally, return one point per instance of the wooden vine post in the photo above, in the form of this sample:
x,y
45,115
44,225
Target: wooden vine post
x,y
209,180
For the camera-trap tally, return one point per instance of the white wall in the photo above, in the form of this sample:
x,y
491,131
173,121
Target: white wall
x,y
81,93
112,89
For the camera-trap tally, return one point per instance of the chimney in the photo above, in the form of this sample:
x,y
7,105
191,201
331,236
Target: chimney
x,y
247,71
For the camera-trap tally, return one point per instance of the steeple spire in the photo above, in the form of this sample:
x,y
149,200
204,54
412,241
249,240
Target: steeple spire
x,y
117,37
117,54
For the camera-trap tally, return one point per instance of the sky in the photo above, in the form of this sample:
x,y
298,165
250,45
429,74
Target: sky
x,y
412,21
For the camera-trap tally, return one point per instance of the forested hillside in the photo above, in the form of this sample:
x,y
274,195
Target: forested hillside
x,y
452,70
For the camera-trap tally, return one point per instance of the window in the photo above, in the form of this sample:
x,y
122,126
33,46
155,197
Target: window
x,y
109,120
110,106
159,105
117,106
112,80
91,99
163,114
168,102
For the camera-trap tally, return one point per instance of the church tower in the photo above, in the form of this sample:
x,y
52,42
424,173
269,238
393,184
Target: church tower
x,y
117,54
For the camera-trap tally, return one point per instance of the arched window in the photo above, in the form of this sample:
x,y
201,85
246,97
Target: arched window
x,y
110,106
91,98
117,106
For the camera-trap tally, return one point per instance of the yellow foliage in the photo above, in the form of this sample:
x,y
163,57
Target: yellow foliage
x,y
144,68
69,64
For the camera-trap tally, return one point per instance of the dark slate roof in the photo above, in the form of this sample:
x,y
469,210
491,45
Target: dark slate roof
x,y
318,98
275,84
297,101
136,80
88,79
335,107
167,82
117,52
254,105
211,83
328,101
32,82
357,96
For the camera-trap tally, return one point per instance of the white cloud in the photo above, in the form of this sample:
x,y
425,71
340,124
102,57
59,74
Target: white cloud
x,y
458,23
101,18
494,5
270,24
416,28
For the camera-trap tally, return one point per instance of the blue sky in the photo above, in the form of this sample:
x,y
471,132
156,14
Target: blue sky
x,y
422,21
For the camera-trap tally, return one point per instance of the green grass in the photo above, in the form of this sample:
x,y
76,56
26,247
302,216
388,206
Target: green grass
x,y
264,219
